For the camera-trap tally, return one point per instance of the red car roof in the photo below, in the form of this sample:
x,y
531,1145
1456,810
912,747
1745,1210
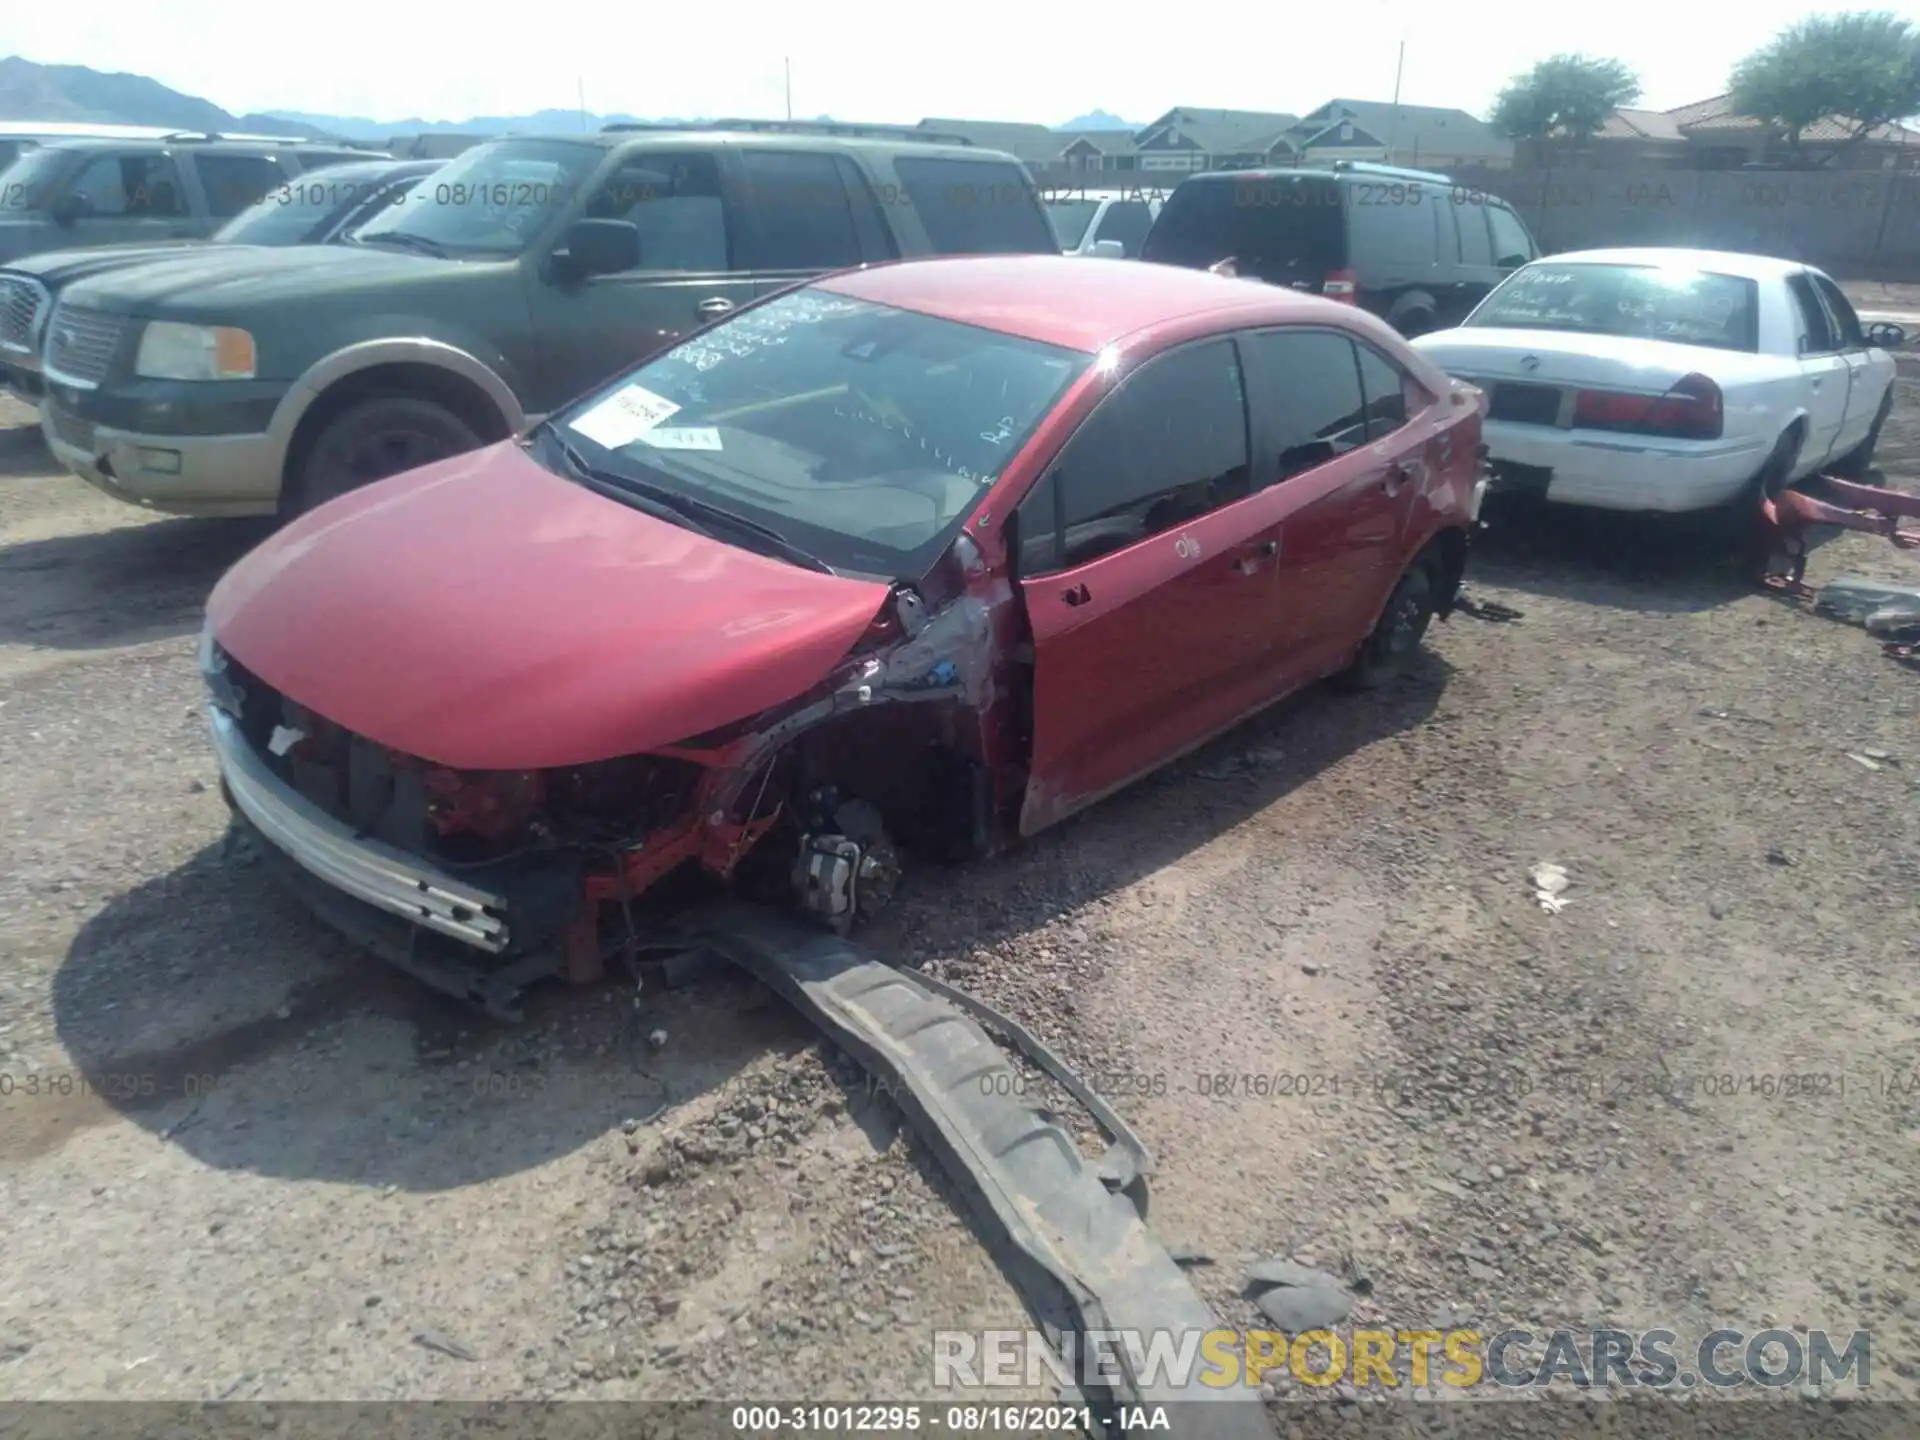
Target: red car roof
x,y
1078,302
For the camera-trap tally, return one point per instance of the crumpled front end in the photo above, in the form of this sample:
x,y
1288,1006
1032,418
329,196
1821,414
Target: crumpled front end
x,y
477,881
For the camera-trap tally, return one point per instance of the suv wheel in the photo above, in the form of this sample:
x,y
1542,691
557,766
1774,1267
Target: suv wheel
x,y
1388,652
1415,323
372,440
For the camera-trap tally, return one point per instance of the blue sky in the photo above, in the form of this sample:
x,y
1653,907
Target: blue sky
x,y
1041,60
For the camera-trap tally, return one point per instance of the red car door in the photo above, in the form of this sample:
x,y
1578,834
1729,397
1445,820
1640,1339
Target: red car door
x,y
1148,581
1343,495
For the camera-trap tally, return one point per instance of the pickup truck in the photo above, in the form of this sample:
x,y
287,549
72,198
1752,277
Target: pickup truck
x,y
256,382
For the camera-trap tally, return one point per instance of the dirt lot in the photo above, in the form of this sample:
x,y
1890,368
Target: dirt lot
x,y
295,1175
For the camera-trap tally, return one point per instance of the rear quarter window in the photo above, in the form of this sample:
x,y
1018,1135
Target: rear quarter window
x,y
976,207
1276,228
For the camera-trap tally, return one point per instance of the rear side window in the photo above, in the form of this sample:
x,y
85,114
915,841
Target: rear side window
x,y
975,207
1280,229
1167,447
134,186
1399,233
1476,247
1383,386
1127,221
233,182
802,218
1315,406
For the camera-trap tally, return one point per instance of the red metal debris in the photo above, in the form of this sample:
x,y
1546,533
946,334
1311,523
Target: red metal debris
x,y
1785,519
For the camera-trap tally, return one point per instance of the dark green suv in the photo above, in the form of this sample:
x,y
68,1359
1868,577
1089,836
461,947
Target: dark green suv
x,y
68,193
522,274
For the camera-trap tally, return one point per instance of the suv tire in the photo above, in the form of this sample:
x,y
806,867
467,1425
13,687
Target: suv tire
x,y
371,440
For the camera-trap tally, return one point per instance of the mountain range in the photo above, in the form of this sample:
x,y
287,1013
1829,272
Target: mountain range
x,y
31,91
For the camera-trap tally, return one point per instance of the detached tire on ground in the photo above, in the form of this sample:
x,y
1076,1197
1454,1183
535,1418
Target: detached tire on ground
x,y
371,440
1388,652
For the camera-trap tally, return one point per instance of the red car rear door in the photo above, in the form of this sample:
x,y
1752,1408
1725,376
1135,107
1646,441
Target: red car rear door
x,y
1148,580
1342,486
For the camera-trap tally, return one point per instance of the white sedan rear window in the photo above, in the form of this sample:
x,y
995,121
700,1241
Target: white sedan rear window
x,y
1648,302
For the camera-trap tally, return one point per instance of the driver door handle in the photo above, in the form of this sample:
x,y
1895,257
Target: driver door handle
x,y
717,305
1396,477
1076,595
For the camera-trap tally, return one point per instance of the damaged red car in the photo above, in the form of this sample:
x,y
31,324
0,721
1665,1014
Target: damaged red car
x,y
918,558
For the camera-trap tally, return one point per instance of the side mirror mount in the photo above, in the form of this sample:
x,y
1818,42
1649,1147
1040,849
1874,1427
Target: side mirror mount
x,y
70,207
1885,335
1108,250
598,247
1511,262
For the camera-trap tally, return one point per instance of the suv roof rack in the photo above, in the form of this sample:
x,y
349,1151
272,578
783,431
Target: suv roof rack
x,y
845,130
188,137
1397,172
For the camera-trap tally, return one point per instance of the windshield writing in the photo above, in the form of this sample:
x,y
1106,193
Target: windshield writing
x,y
1688,307
491,200
859,431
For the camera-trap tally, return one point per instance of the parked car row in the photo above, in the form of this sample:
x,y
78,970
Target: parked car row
x,y
668,507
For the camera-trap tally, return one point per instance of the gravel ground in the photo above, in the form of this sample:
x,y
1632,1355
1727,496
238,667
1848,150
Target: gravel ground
x,y
296,1175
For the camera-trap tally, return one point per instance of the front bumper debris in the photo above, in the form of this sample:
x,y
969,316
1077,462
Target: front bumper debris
x,y
377,874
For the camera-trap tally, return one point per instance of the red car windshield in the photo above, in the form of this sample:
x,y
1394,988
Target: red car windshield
x,y
861,432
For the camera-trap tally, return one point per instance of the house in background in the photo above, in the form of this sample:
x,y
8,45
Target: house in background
x,y
1099,150
1420,137
1187,138
1709,135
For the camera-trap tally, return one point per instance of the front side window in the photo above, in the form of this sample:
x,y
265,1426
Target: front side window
x,y
488,202
143,187
1852,336
1511,243
1167,447
861,432
1646,302
674,201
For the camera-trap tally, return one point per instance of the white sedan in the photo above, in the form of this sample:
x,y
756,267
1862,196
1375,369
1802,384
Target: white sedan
x,y
1109,223
1668,379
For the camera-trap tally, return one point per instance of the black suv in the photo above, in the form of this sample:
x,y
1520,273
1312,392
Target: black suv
x,y
1408,245
68,193
521,275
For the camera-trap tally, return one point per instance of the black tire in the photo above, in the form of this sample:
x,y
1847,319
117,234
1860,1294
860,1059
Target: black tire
x,y
371,440
1389,650
1855,464
1415,323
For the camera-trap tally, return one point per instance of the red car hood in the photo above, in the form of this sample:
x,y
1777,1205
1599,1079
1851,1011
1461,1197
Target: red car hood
x,y
486,614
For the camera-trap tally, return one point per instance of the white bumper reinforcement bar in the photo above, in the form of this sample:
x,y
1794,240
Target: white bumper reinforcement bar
x,y
366,869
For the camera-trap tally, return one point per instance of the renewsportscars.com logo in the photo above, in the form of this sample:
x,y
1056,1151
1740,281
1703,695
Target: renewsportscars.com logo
x,y
1217,1360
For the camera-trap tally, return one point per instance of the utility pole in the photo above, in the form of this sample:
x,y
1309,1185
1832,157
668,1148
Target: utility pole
x,y
788,63
1399,69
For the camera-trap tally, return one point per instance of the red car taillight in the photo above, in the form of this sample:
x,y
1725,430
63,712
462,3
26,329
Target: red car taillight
x,y
1691,410
1339,286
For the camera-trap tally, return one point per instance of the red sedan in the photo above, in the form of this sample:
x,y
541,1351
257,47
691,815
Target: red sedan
x,y
919,556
